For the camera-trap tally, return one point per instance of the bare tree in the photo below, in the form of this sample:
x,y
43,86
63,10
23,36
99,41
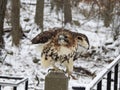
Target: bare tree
x,y
2,15
109,7
57,5
15,21
67,12
65,6
39,13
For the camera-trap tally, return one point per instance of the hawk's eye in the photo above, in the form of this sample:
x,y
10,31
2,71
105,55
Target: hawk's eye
x,y
65,36
80,38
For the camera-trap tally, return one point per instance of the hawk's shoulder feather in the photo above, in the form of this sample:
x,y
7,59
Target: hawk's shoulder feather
x,y
43,37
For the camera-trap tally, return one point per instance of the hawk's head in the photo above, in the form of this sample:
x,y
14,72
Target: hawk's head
x,y
82,44
64,38
82,40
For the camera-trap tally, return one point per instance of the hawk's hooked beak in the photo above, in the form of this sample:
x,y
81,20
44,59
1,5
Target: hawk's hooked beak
x,y
84,45
61,37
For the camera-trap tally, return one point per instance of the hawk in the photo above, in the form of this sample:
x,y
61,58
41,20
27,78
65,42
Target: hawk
x,y
59,48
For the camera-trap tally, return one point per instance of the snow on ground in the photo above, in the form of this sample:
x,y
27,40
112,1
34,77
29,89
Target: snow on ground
x,y
25,60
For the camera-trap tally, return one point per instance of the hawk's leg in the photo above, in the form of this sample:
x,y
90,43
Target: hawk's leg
x,y
70,75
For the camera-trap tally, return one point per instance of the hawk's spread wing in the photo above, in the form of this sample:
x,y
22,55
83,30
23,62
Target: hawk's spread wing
x,y
43,37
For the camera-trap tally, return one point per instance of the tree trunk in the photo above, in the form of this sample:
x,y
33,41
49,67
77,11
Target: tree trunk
x,y
15,21
67,12
2,15
39,13
108,10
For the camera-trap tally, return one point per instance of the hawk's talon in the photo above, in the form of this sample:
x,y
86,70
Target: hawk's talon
x,y
51,70
56,70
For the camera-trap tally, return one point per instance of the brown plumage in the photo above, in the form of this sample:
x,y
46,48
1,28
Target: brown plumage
x,y
43,37
60,47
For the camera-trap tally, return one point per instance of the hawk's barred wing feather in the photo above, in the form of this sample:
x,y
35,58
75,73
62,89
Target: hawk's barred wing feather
x,y
43,37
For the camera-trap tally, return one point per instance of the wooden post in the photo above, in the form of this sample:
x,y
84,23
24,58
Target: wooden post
x,y
56,81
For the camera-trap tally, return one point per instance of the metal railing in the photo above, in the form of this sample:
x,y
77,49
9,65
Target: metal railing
x,y
19,81
97,81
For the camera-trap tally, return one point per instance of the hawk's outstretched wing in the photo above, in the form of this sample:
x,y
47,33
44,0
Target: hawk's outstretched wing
x,y
43,37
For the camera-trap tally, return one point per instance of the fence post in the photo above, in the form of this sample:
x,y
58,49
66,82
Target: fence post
x,y
116,77
109,81
26,85
99,85
15,88
56,81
